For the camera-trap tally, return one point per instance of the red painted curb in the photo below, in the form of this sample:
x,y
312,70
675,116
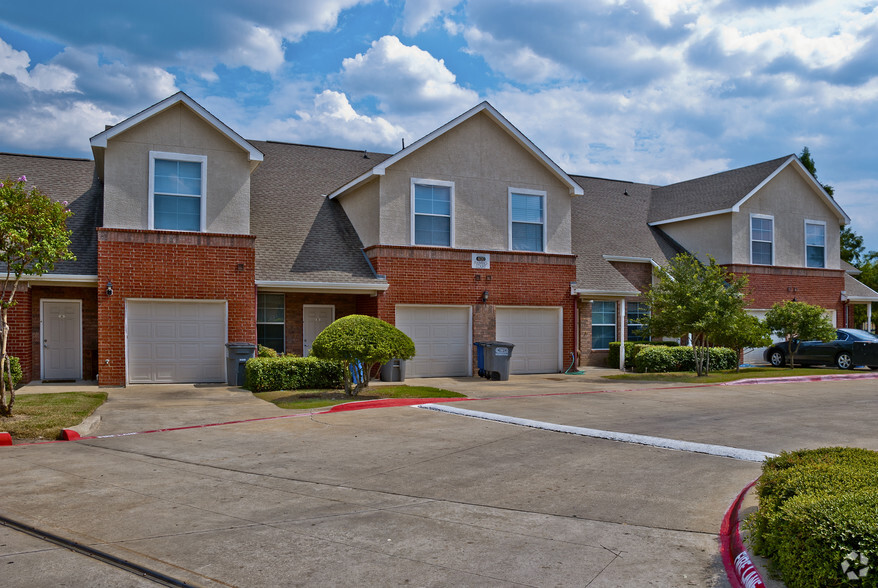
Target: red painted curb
x,y
69,435
5,439
739,567
793,379
390,403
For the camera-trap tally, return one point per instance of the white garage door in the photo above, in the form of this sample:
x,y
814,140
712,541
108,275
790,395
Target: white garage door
x,y
442,340
170,342
536,334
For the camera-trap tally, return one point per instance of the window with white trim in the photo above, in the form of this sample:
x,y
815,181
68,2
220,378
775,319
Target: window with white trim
x,y
637,311
432,207
270,320
815,243
603,323
527,220
761,239
177,186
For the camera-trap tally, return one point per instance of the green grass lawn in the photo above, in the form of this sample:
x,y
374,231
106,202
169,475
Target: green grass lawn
x,y
305,399
730,375
42,416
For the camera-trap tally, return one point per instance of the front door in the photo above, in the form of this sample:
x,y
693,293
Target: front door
x,y
62,339
315,318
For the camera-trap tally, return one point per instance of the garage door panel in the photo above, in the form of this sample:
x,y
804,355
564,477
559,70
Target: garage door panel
x,y
176,341
535,332
441,336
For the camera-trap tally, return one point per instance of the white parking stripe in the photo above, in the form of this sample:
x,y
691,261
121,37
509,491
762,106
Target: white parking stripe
x,y
718,450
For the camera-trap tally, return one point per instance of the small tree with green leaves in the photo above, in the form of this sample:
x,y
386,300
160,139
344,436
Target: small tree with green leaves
x,y
33,236
797,322
744,331
360,343
694,298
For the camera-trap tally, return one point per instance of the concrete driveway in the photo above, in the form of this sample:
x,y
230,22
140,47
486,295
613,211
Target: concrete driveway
x,y
406,496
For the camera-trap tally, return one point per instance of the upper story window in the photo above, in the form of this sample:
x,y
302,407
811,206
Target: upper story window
x,y
527,220
432,206
815,243
761,239
177,186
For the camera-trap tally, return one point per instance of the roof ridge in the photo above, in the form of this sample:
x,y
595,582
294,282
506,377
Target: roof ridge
x,y
778,160
275,142
34,155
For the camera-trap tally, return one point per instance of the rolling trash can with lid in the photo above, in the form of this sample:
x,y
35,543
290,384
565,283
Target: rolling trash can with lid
x,y
493,359
237,355
393,371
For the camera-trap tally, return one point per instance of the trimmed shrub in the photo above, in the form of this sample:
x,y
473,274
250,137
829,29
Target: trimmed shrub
x,y
681,359
291,373
15,368
631,351
263,351
815,508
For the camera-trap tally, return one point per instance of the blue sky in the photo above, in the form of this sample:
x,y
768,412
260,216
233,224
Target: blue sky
x,y
648,90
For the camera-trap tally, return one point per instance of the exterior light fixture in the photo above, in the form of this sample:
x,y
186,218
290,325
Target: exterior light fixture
x,y
109,288
485,296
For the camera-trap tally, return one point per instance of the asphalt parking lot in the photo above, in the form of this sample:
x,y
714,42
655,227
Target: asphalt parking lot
x,y
408,496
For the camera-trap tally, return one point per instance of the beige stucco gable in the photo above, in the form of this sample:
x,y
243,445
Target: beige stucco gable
x,y
791,198
176,129
483,161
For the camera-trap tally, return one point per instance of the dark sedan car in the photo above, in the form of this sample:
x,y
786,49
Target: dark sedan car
x,y
852,347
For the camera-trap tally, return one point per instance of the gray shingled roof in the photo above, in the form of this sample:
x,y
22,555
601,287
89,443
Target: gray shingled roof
x,y
300,234
75,181
711,193
858,290
606,221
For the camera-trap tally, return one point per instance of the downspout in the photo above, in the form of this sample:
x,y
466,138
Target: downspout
x,y
623,322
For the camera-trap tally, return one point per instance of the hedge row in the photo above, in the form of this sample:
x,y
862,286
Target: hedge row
x,y
631,351
682,359
264,374
817,509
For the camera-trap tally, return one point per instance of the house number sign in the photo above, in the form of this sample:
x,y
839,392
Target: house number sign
x,y
481,261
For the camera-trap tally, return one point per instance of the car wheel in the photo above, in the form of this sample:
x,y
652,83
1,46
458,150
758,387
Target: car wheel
x,y
844,361
776,358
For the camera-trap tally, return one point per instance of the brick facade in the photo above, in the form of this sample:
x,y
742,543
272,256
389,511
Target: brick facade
x,y
168,265
344,304
89,298
441,276
771,284
19,342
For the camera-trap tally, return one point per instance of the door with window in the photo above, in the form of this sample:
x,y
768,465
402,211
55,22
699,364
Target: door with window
x,y
315,318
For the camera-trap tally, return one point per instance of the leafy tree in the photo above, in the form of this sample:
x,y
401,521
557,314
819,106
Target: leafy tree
x,y
693,298
744,331
808,162
851,246
33,236
360,343
799,321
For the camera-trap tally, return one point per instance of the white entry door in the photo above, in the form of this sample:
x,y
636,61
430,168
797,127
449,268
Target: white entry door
x,y
62,339
315,318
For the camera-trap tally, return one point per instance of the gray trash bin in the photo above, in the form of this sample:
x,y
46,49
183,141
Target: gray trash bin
x,y
497,355
393,371
237,355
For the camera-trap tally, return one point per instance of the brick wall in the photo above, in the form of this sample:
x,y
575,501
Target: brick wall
x,y
19,342
423,275
170,265
89,298
770,285
344,304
